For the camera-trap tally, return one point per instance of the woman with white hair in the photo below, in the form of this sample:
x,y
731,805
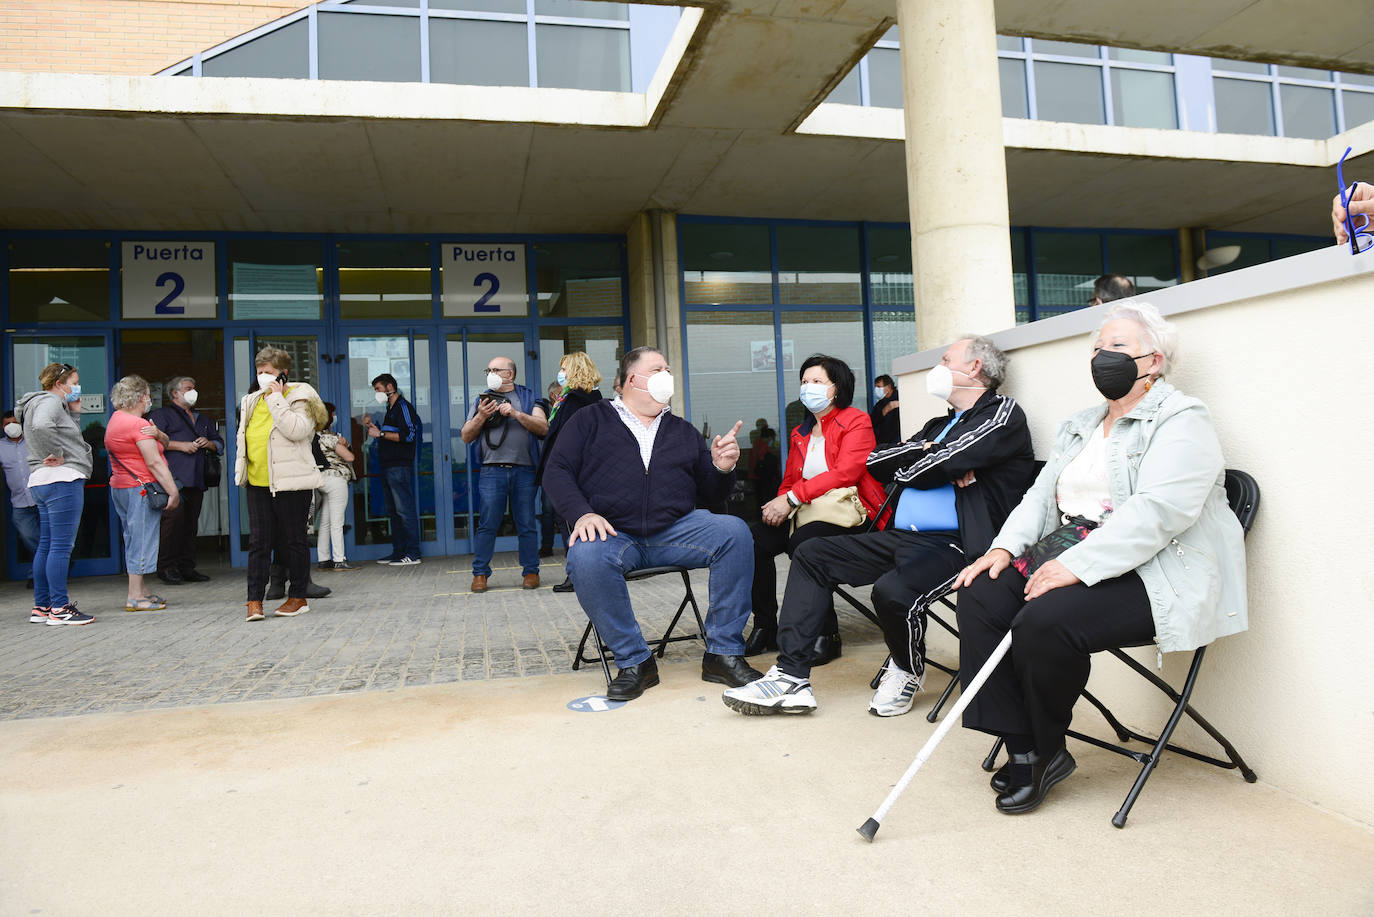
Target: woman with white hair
x,y
1124,539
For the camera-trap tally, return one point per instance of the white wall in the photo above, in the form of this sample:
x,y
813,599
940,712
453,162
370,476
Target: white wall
x,y
1278,352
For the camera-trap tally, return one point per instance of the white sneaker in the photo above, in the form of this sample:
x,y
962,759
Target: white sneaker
x,y
896,691
406,562
773,693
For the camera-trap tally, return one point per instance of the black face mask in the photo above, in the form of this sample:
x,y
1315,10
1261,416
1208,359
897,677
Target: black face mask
x,y
1114,373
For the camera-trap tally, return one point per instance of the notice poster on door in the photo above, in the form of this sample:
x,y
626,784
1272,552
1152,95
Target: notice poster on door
x,y
168,280
484,279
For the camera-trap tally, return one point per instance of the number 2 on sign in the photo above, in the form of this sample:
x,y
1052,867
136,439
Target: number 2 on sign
x,y
178,286
482,303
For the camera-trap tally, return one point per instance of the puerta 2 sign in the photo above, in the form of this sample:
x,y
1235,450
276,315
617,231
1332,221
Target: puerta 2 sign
x,y
168,280
484,278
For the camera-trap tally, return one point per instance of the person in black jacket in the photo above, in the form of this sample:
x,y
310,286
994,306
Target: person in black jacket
x,y
397,438
959,477
578,379
886,413
190,436
629,475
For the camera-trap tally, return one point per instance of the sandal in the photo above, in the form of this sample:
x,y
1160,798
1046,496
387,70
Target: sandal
x,y
147,603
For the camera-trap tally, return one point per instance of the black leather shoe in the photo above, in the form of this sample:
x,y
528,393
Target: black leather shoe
x,y
1044,774
194,576
761,640
825,648
565,586
546,552
1001,781
313,591
171,577
633,680
727,670
276,583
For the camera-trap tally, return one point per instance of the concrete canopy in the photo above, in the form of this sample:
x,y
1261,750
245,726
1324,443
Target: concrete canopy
x,y
716,134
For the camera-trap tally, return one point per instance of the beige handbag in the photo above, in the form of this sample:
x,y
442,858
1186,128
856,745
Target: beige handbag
x,y
840,506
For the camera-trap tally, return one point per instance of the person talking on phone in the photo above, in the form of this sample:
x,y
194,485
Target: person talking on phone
x,y
629,474
396,439
507,423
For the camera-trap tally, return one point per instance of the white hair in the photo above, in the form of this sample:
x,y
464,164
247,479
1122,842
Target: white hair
x,y
1156,333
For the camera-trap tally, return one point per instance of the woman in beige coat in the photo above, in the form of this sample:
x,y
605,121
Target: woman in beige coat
x,y
275,467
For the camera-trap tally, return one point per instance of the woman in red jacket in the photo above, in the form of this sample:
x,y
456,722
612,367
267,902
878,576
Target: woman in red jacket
x,y
828,449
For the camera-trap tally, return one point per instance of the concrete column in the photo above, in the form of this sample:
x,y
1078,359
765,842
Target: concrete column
x,y
655,306
956,169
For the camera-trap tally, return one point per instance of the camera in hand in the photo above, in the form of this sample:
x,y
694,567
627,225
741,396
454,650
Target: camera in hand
x,y
498,420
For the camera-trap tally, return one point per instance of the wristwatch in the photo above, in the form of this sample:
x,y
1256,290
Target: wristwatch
x,y
792,500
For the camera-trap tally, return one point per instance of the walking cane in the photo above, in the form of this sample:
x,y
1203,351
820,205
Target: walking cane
x,y
870,827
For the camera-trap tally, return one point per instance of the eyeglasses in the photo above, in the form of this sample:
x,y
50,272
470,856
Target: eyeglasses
x,y
500,370
1355,233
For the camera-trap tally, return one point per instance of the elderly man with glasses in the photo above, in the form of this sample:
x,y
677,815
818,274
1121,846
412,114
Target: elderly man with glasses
x,y
507,423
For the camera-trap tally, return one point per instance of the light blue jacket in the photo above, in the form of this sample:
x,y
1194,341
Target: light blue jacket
x,y
1171,523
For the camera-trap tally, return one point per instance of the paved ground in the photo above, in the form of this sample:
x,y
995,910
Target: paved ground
x,y
384,628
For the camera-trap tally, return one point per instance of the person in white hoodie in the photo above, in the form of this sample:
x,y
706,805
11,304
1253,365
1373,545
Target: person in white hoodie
x,y
59,464
276,468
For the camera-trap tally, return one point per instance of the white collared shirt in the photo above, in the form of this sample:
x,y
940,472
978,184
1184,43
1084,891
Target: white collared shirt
x,y
642,434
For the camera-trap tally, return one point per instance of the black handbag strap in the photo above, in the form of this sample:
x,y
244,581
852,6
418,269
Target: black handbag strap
x,y
127,470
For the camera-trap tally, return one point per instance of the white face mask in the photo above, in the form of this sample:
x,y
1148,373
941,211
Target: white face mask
x,y
265,379
815,396
13,430
660,386
562,378
493,381
879,393
189,396
940,381
381,397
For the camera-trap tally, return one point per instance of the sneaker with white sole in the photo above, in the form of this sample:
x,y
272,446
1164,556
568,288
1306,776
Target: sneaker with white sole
x,y
406,562
773,693
68,614
38,615
896,691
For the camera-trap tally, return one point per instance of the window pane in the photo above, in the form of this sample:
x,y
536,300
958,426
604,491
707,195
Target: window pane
x,y
726,263
580,279
1304,73
1068,92
405,4
582,9
59,280
894,335
885,78
732,370
835,334
891,34
1140,57
1148,260
604,344
1243,107
847,91
1253,251
1308,111
1012,74
572,57
1008,43
1359,108
477,53
1066,264
1287,248
1063,48
1019,285
282,279
385,280
818,264
1239,66
358,47
1143,98
889,266
478,6
1358,79
283,53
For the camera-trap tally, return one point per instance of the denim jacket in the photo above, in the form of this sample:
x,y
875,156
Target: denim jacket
x,y
1171,523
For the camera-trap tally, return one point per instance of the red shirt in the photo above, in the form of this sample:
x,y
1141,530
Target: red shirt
x,y
122,436
848,441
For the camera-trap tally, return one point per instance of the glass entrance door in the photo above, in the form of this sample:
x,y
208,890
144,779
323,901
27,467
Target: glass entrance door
x,y
89,353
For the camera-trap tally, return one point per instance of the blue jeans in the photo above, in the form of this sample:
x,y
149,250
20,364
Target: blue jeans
x,y
399,490
59,514
27,525
495,487
142,527
698,539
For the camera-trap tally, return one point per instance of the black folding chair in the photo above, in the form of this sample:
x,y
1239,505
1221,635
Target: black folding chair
x,y
1242,493
689,598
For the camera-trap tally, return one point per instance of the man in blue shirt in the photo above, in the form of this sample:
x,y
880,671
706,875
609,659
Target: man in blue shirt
x,y
397,438
190,436
958,478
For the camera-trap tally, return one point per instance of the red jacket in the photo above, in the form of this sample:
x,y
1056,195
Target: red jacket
x,y
848,441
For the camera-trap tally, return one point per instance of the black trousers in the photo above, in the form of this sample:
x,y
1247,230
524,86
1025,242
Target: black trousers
x,y
177,548
279,520
1033,690
902,566
769,542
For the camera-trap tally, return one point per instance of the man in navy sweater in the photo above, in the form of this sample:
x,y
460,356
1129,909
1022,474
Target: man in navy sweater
x,y
631,474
